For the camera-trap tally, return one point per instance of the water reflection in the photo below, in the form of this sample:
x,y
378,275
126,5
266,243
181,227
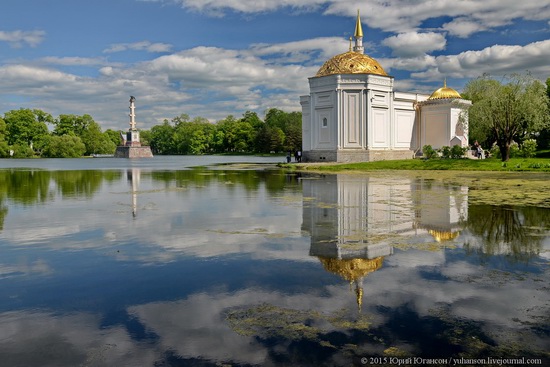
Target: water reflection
x,y
134,175
517,233
251,266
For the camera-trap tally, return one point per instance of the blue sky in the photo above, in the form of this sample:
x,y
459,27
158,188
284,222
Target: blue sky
x,y
217,58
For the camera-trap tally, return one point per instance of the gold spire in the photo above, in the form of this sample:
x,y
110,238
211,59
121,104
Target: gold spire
x,y
359,294
358,29
350,44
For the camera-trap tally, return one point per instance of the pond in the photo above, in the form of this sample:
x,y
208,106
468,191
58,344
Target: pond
x,y
210,261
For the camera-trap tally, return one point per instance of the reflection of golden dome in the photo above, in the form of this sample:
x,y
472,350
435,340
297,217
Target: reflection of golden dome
x,y
351,62
351,269
441,236
445,92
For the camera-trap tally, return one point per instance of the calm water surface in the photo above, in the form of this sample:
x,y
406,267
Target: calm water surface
x,y
181,261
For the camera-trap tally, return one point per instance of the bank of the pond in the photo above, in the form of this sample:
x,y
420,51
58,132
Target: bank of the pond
x,y
514,164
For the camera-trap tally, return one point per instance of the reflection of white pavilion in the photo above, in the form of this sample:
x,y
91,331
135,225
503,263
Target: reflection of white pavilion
x,y
354,219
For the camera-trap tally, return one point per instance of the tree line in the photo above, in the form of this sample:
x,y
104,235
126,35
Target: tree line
x,y
513,110
28,133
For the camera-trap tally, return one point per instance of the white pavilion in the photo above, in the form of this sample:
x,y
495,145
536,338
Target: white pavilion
x,y
353,114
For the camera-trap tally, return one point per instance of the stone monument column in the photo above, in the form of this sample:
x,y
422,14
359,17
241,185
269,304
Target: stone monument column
x,y
131,146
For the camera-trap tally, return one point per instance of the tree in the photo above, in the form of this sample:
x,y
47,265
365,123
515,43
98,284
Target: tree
x,y
95,141
253,119
72,124
65,146
162,138
269,139
26,127
543,138
4,148
238,135
114,136
504,113
290,124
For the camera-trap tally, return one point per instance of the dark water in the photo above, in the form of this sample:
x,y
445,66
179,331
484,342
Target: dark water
x,y
175,262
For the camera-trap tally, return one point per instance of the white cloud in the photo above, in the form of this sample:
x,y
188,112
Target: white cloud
x,y
18,38
72,61
396,16
463,27
140,46
413,44
409,64
496,60
218,8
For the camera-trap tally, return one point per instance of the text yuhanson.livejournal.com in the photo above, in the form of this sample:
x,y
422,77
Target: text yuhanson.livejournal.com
x,y
449,361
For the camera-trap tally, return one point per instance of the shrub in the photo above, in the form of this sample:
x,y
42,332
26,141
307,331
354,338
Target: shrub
x,y
429,152
528,148
22,151
446,152
457,152
514,150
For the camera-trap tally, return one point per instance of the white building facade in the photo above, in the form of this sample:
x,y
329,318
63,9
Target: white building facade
x,y
353,114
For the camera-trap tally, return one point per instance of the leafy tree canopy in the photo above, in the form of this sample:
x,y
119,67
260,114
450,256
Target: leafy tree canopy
x,y
507,111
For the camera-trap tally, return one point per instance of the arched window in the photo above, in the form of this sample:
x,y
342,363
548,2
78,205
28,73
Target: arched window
x,y
325,122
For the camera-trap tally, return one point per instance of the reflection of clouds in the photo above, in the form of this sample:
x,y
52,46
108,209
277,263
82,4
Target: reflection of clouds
x,y
45,339
196,326
497,300
214,220
24,268
505,309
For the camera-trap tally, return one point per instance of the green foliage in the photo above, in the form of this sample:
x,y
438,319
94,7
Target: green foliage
x,y
446,152
65,146
528,148
182,135
503,113
4,149
162,141
270,139
457,152
429,152
25,126
22,151
114,136
95,141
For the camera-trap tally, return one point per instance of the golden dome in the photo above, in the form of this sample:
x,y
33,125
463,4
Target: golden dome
x,y
351,269
445,92
441,236
351,62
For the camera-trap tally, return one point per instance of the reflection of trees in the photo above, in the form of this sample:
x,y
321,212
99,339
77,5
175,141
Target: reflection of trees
x,y
29,187
251,180
3,213
515,231
25,186
82,183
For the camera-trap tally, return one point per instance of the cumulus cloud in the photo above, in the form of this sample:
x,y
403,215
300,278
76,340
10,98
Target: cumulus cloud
x,y
217,8
72,61
463,27
413,44
20,38
497,60
139,46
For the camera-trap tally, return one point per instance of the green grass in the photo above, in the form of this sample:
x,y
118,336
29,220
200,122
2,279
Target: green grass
x,y
437,164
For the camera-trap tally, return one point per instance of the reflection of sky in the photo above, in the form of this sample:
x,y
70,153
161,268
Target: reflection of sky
x,y
86,281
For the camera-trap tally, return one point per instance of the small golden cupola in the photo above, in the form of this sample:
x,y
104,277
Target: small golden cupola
x,y
445,93
354,61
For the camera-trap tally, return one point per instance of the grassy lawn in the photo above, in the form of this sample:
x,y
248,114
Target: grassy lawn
x,y
491,164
